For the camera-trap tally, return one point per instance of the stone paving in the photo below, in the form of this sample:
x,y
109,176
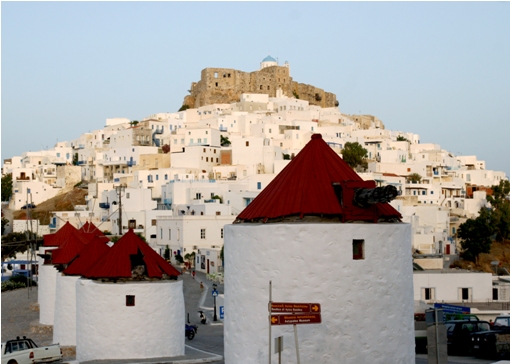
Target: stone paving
x,y
20,317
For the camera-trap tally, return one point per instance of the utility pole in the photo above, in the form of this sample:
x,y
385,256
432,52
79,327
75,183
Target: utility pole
x,y
120,189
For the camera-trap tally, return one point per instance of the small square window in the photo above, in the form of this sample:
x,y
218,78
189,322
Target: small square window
x,y
130,300
358,249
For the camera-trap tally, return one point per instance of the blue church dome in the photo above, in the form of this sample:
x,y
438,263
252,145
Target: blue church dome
x,y
269,59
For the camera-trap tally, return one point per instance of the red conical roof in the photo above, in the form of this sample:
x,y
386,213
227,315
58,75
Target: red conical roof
x,y
85,227
117,262
89,227
61,236
87,257
69,248
305,188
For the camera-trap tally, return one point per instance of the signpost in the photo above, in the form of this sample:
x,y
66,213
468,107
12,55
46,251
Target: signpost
x,y
297,319
288,307
452,312
292,313
222,312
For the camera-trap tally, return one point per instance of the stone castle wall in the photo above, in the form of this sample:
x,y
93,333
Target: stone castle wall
x,y
225,85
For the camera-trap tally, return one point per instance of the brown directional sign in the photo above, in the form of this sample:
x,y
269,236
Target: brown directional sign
x,y
290,307
297,319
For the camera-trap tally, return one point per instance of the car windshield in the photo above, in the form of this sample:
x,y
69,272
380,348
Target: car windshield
x,y
468,327
483,326
501,321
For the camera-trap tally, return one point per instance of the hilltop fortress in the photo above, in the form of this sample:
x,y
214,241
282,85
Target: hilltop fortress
x,y
225,85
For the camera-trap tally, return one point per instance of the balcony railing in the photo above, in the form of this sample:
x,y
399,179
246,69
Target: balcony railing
x,y
22,178
131,163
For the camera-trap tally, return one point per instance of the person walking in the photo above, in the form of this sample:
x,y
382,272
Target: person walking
x,y
193,274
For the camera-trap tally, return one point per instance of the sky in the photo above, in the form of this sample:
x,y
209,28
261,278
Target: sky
x,y
438,69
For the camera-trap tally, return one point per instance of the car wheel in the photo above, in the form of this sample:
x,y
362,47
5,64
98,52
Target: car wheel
x,y
12,362
191,335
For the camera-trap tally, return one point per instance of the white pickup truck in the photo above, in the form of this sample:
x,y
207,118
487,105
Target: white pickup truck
x,y
25,351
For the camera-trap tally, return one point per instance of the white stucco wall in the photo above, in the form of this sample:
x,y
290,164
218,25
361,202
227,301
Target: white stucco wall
x,y
447,285
109,329
20,226
367,305
46,293
64,327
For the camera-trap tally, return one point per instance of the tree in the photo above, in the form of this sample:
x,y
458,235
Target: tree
x,y
401,138
216,197
414,178
500,211
134,123
355,155
184,107
75,159
13,243
5,222
190,258
167,253
224,141
476,236
6,187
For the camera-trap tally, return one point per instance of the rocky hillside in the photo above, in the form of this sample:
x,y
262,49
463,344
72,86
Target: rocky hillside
x,y
500,251
62,202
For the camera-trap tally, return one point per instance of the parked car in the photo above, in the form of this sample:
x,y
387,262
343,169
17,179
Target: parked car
x,y
503,320
458,333
28,206
25,351
493,344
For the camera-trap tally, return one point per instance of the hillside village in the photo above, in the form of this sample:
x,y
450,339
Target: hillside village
x,y
178,178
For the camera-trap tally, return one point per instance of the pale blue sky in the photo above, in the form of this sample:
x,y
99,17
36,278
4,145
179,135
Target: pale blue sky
x,y
441,70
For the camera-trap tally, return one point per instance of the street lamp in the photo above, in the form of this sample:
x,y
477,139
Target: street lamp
x,y
215,294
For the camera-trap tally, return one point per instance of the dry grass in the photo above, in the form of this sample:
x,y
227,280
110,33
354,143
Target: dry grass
x,y
500,251
62,202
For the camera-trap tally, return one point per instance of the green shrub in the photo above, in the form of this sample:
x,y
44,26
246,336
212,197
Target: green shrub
x,y
22,279
16,282
10,285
